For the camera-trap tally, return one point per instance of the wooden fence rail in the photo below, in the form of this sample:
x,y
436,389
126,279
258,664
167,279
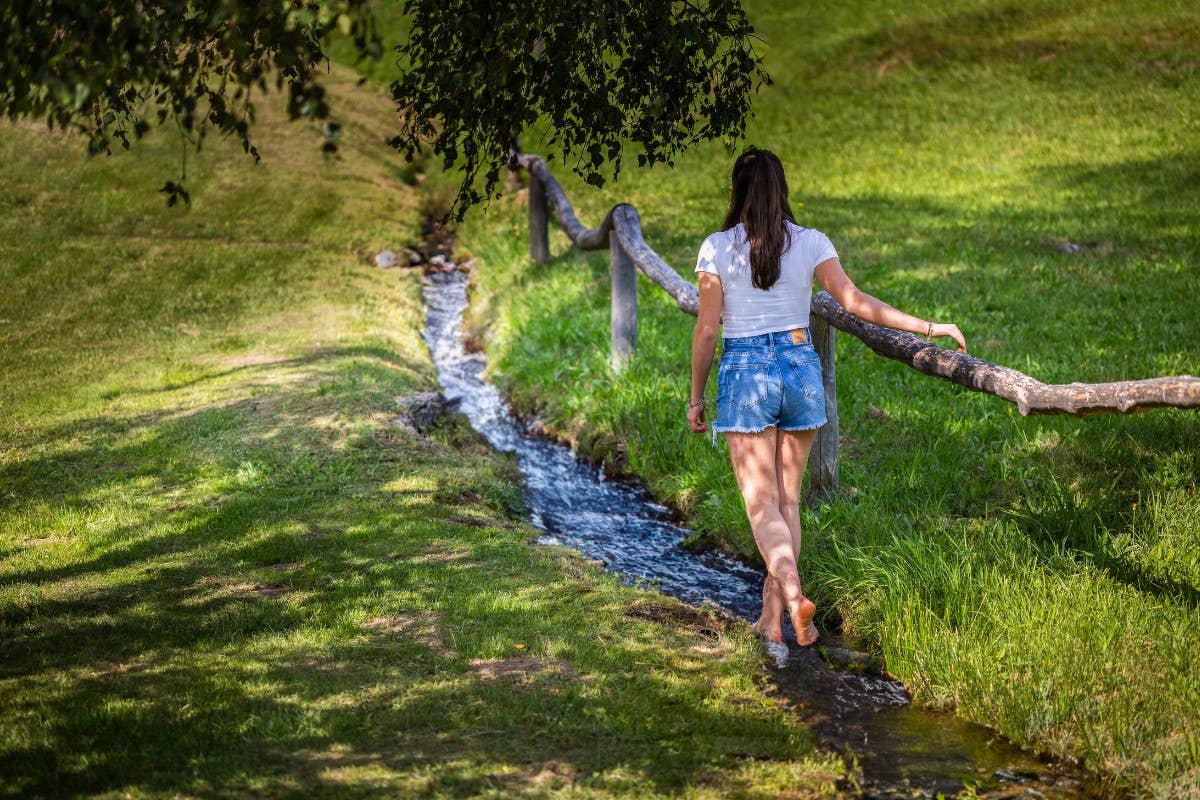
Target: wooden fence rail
x,y
621,233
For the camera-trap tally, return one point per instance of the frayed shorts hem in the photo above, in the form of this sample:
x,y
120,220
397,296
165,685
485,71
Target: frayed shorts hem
x,y
806,427
735,429
739,429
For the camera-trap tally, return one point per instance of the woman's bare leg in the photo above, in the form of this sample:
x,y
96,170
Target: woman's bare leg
x,y
754,463
791,460
792,449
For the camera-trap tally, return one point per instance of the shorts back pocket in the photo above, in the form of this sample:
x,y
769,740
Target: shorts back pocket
x,y
742,384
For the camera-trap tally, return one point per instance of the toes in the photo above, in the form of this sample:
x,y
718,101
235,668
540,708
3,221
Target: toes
x,y
773,635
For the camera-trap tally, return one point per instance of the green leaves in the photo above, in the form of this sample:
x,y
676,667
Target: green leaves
x,y
661,76
476,75
110,67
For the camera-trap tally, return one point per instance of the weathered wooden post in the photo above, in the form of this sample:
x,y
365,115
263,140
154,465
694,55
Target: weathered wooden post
x,y
623,275
539,233
824,458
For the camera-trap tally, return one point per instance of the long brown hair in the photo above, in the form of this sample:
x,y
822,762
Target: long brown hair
x,y
760,202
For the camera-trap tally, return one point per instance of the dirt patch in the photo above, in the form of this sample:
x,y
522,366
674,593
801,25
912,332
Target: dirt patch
x,y
260,589
711,650
677,615
420,626
284,567
468,521
874,412
519,668
251,360
1094,249
437,557
111,670
541,777
211,585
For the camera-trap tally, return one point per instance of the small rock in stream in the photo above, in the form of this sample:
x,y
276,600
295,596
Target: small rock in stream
x,y
1015,776
420,411
438,263
845,659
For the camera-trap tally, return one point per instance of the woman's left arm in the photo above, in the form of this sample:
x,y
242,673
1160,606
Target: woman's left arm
x,y
704,343
862,305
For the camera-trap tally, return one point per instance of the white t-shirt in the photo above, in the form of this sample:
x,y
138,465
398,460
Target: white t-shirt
x,y
747,310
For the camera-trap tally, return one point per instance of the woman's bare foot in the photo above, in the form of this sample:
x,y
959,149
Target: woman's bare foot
x,y
765,630
806,631
768,624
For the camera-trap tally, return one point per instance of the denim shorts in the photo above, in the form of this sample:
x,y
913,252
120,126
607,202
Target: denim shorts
x,y
769,380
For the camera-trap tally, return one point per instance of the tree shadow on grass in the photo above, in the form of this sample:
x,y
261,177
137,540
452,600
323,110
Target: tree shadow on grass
x,y
220,648
69,475
1088,483
1071,486
382,355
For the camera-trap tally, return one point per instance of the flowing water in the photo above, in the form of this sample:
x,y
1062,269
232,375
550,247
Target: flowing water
x,y
900,750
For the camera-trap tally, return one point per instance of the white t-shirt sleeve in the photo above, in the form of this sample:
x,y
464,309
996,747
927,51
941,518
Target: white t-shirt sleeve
x,y
822,248
706,261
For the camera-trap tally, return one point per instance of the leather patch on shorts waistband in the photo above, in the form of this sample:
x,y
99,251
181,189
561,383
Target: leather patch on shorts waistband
x,y
799,336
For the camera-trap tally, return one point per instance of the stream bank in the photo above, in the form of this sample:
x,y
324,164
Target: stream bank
x,y
898,750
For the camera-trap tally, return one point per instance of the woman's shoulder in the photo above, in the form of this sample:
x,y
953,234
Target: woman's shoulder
x,y
803,231
810,238
812,245
721,241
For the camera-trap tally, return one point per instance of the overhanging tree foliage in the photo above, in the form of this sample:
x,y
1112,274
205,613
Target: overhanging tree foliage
x,y
111,68
661,75
475,74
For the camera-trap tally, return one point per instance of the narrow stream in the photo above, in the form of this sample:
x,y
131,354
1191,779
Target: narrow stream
x,y
900,750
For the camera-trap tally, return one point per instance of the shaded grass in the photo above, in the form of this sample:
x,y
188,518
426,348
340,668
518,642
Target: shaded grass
x,y
224,571
1039,574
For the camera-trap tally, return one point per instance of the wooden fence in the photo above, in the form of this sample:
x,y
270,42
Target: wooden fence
x,y
621,234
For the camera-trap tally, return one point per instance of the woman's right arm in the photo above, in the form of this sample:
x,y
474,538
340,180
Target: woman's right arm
x,y
704,343
862,305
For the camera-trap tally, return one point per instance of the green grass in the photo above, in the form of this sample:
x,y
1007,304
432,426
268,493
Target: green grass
x,y
225,572
1038,574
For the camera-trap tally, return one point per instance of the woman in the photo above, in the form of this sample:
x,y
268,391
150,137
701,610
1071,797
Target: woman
x,y
756,277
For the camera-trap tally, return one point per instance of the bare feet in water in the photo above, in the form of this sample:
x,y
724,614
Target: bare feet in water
x,y
765,630
768,625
